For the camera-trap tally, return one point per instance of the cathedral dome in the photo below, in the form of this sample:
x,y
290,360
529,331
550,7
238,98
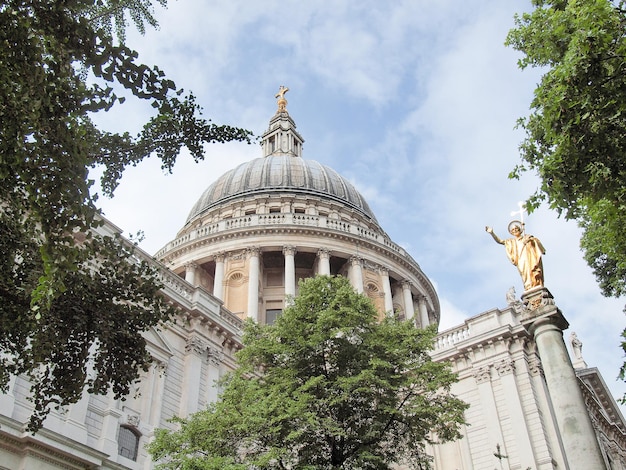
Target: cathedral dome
x,y
279,174
264,225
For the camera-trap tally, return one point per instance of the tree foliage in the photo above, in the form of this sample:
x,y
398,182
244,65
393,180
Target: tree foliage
x,y
64,289
575,135
326,387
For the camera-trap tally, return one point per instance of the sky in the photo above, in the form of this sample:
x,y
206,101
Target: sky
x,y
413,101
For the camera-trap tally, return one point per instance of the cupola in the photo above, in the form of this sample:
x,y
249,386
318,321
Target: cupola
x,y
282,138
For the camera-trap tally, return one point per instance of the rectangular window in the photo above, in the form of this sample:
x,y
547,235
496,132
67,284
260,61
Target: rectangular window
x,y
271,315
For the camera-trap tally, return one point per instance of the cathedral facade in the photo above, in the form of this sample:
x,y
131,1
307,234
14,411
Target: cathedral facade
x,y
248,240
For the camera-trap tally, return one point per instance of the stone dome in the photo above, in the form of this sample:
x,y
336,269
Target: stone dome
x,y
273,220
279,174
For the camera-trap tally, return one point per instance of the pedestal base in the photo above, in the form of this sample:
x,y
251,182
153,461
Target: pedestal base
x,y
538,303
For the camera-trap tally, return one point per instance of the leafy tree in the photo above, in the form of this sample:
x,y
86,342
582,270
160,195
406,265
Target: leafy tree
x,y
70,298
325,387
575,135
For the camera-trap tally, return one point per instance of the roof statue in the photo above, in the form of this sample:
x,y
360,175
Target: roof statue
x,y
510,296
577,347
282,102
525,252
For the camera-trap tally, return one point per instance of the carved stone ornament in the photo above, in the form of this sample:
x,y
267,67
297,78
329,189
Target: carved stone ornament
x,y
195,345
482,374
289,250
133,420
534,366
323,253
505,366
253,251
537,298
215,356
356,260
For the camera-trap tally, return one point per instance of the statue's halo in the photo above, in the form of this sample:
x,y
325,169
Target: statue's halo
x,y
516,223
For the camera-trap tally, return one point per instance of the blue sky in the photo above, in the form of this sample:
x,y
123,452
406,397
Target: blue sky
x,y
414,101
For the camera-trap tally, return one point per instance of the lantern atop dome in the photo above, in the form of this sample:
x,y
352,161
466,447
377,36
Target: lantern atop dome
x,y
282,138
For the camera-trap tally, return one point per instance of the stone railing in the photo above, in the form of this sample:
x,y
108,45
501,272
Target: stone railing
x,y
190,294
301,220
450,337
177,284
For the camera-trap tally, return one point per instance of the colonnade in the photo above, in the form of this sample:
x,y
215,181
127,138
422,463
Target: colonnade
x,y
355,275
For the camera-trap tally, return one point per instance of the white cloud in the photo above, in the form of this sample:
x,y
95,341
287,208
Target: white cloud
x,y
413,101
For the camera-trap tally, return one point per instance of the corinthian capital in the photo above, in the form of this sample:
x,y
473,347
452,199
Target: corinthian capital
x,y
195,345
289,250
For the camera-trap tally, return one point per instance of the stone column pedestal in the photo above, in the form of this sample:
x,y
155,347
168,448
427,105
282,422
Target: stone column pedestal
x,y
545,322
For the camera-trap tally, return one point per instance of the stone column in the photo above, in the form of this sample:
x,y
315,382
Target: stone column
x,y
423,309
290,272
190,272
159,370
488,408
253,283
215,357
552,449
546,323
7,399
192,374
76,417
409,311
525,452
323,262
218,281
356,273
109,428
384,276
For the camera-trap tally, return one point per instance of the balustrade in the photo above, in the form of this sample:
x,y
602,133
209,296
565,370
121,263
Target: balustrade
x,y
306,220
449,338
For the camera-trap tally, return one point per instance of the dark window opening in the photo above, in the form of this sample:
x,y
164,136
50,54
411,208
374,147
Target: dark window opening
x,y
271,315
128,443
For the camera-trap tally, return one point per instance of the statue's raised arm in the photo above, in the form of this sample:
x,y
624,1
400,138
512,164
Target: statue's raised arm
x,y
525,252
489,230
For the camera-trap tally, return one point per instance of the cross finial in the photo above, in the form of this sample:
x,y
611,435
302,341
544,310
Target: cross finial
x,y
282,102
520,212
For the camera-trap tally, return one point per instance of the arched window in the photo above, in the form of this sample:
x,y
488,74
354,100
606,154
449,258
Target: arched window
x,y
128,442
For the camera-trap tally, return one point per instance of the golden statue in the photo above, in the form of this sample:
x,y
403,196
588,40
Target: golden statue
x,y
282,102
525,252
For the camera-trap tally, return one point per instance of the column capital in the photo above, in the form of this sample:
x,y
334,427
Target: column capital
x,y
289,250
505,366
190,265
406,284
356,260
534,367
195,345
159,366
253,251
482,374
323,253
219,257
383,271
215,356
